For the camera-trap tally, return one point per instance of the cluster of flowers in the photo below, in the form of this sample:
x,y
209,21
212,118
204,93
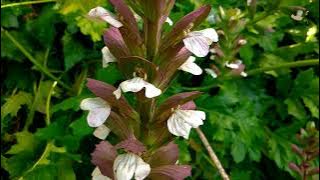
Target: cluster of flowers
x,y
152,124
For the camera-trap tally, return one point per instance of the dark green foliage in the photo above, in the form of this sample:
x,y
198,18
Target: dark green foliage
x,y
251,122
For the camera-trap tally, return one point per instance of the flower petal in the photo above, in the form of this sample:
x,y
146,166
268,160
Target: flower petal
x,y
192,117
197,44
101,132
142,170
97,175
191,67
124,166
93,103
107,57
133,85
98,116
211,73
211,34
117,93
128,165
152,91
169,21
178,126
100,12
131,145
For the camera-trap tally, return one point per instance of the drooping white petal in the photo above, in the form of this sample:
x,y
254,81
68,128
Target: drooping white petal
x,y
101,132
143,169
181,122
211,73
178,126
107,57
298,16
211,34
127,166
169,21
99,111
100,12
234,65
97,175
198,42
243,74
135,85
152,91
191,67
198,45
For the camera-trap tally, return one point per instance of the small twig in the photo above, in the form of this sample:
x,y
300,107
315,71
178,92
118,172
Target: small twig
x,y
212,154
26,3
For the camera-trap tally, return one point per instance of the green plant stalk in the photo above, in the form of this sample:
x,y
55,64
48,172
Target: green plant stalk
x,y
301,63
26,3
50,144
310,62
34,61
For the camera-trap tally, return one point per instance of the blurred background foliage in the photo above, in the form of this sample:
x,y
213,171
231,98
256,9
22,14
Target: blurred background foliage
x,y
251,122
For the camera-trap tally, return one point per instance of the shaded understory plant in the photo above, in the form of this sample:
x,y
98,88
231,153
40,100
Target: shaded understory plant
x,y
149,59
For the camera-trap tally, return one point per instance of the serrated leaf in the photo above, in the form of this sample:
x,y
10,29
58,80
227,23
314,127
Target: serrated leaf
x,y
14,103
313,107
295,108
93,28
71,103
25,142
73,51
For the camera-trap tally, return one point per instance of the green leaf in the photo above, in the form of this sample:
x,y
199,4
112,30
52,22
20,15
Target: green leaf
x,y
269,42
14,103
80,127
9,19
25,142
72,103
311,104
295,108
238,151
73,51
110,75
90,27
246,54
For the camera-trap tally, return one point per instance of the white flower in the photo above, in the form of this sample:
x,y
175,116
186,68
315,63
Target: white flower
x,y
235,65
243,74
169,21
101,132
107,57
100,12
211,73
135,85
127,166
191,67
298,16
181,121
99,111
97,175
198,42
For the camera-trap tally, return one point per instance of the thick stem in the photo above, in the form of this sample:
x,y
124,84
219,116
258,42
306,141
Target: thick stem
x,y
153,38
212,154
26,3
43,69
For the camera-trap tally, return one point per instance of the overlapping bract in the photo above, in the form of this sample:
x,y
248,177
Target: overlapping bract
x,y
148,64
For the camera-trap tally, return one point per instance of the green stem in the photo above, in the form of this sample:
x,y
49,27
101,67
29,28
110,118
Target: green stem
x,y
34,61
26,3
48,103
309,62
301,63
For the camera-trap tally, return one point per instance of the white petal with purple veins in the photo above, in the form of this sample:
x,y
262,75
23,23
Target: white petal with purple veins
x,y
99,111
127,166
107,57
191,67
100,12
181,121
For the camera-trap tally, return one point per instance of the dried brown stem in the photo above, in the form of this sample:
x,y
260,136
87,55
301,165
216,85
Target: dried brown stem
x,y
212,154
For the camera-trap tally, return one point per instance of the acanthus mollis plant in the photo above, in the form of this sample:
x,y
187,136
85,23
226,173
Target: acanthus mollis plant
x,y
149,59
307,151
